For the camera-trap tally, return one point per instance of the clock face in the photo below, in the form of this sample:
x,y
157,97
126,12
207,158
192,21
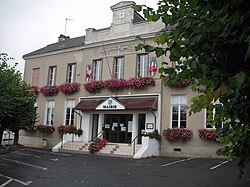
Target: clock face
x,y
121,15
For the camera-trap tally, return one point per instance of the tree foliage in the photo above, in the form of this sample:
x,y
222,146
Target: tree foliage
x,y
17,108
213,39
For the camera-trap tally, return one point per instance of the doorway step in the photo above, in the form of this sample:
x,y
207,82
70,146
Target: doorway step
x,y
111,149
119,149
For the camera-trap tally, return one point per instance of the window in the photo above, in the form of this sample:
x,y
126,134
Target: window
x,y
52,75
142,66
210,115
71,73
35,76
178,111
69,112
119,68
97,70
49,113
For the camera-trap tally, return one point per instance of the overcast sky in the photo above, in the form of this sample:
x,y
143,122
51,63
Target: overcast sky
x,y
28,25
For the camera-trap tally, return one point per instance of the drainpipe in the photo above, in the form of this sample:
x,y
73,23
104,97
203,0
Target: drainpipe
x,y
154,117
80,118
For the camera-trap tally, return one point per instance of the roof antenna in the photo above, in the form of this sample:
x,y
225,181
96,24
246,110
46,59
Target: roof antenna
x,y
107,61
67,19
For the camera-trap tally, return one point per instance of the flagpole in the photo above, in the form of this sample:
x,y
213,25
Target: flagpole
x,y
65,27
67,19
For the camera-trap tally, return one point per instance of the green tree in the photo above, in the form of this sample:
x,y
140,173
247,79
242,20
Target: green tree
x,y
208,40
17,108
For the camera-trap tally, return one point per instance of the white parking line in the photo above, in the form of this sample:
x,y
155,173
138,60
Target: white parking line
x,y
24,163
13,179
220,164
35,156
62,154
175,162
7,182
25,154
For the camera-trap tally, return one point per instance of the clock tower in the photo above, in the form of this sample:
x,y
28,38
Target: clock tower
x,y
123,12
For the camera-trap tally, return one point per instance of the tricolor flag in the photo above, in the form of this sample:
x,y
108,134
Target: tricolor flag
x,y
153,66
88,72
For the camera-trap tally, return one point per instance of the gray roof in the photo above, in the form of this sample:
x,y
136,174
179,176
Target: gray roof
x,y
65,44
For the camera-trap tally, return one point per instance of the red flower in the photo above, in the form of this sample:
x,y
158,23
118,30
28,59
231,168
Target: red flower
x,y
175,134
97,145
208,134
49,90
69,88
119,84
182,84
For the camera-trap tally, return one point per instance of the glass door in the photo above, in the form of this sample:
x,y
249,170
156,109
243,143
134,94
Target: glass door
x,y
118,128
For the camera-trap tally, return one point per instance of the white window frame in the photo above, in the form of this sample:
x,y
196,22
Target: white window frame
x,y
71,73
97,70
69,104
214,112
49,113
143,65
181,102
119,68
52,75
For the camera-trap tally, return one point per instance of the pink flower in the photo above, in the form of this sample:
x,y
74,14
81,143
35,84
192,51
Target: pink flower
x,y
69,88
49,90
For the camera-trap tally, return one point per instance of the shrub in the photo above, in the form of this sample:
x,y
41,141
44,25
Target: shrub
x,y
153,135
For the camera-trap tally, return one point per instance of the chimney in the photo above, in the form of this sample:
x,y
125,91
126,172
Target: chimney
x,y
62,38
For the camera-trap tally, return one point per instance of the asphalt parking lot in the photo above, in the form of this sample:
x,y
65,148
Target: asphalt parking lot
x,y
41,167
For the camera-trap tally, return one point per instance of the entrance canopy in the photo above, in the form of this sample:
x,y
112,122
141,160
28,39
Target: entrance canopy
x,y
130,103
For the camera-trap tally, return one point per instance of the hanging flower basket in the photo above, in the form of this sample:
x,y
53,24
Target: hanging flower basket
x,y
34,89
45,128
182,84
208,135
69,88
31,128
119,84
116,84
70,129
177,134
94,86
49,90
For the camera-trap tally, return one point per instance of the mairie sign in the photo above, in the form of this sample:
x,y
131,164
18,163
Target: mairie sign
x,y
110,104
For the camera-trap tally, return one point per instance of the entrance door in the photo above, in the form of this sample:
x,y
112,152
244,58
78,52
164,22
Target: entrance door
x,y
117,127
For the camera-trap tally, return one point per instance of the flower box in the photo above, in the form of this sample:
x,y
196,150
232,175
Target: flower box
x,y
49,90
208,135
34,89
119,84
94,86
70,129
177,134
182,84
69,88
45,128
